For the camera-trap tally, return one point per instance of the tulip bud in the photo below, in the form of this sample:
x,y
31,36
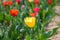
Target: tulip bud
x,y
22,6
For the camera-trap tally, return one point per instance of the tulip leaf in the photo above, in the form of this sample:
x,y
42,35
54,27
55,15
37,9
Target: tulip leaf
x,y
1,17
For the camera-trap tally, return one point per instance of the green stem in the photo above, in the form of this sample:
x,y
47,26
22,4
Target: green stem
x,y
30,33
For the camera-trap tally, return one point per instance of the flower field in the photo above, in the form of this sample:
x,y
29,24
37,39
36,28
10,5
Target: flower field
x,y
26,19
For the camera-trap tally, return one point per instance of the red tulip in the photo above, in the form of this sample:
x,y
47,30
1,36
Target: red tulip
x,y
33,14
18,1
13,12
49,1
37,2
5,3
10,3
36,10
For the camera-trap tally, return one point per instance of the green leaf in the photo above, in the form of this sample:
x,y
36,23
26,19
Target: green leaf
x,y
1,17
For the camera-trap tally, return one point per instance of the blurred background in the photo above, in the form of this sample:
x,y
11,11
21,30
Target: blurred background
x,y
54,21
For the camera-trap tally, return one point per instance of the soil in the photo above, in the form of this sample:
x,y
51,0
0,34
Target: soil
x,y
53,24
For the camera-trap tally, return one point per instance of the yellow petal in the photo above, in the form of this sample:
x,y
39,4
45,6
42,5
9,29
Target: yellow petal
x,y
30,0
30,21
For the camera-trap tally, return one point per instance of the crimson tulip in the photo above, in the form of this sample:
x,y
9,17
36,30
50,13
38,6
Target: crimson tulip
x,y
36,10
18,1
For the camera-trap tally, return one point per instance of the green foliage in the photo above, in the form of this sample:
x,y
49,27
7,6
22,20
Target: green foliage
x,y
14,28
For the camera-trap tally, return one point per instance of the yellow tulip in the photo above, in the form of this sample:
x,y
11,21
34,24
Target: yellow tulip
x,y
30,21
30,0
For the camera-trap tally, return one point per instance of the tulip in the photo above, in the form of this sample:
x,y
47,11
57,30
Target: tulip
x,y
33,14
5,3
22,6
18,1
14,12
30,0
36,2
10,3
36,10
49,1
30,21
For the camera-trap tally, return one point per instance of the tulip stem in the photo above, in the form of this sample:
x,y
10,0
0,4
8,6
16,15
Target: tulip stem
x,y
30,33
